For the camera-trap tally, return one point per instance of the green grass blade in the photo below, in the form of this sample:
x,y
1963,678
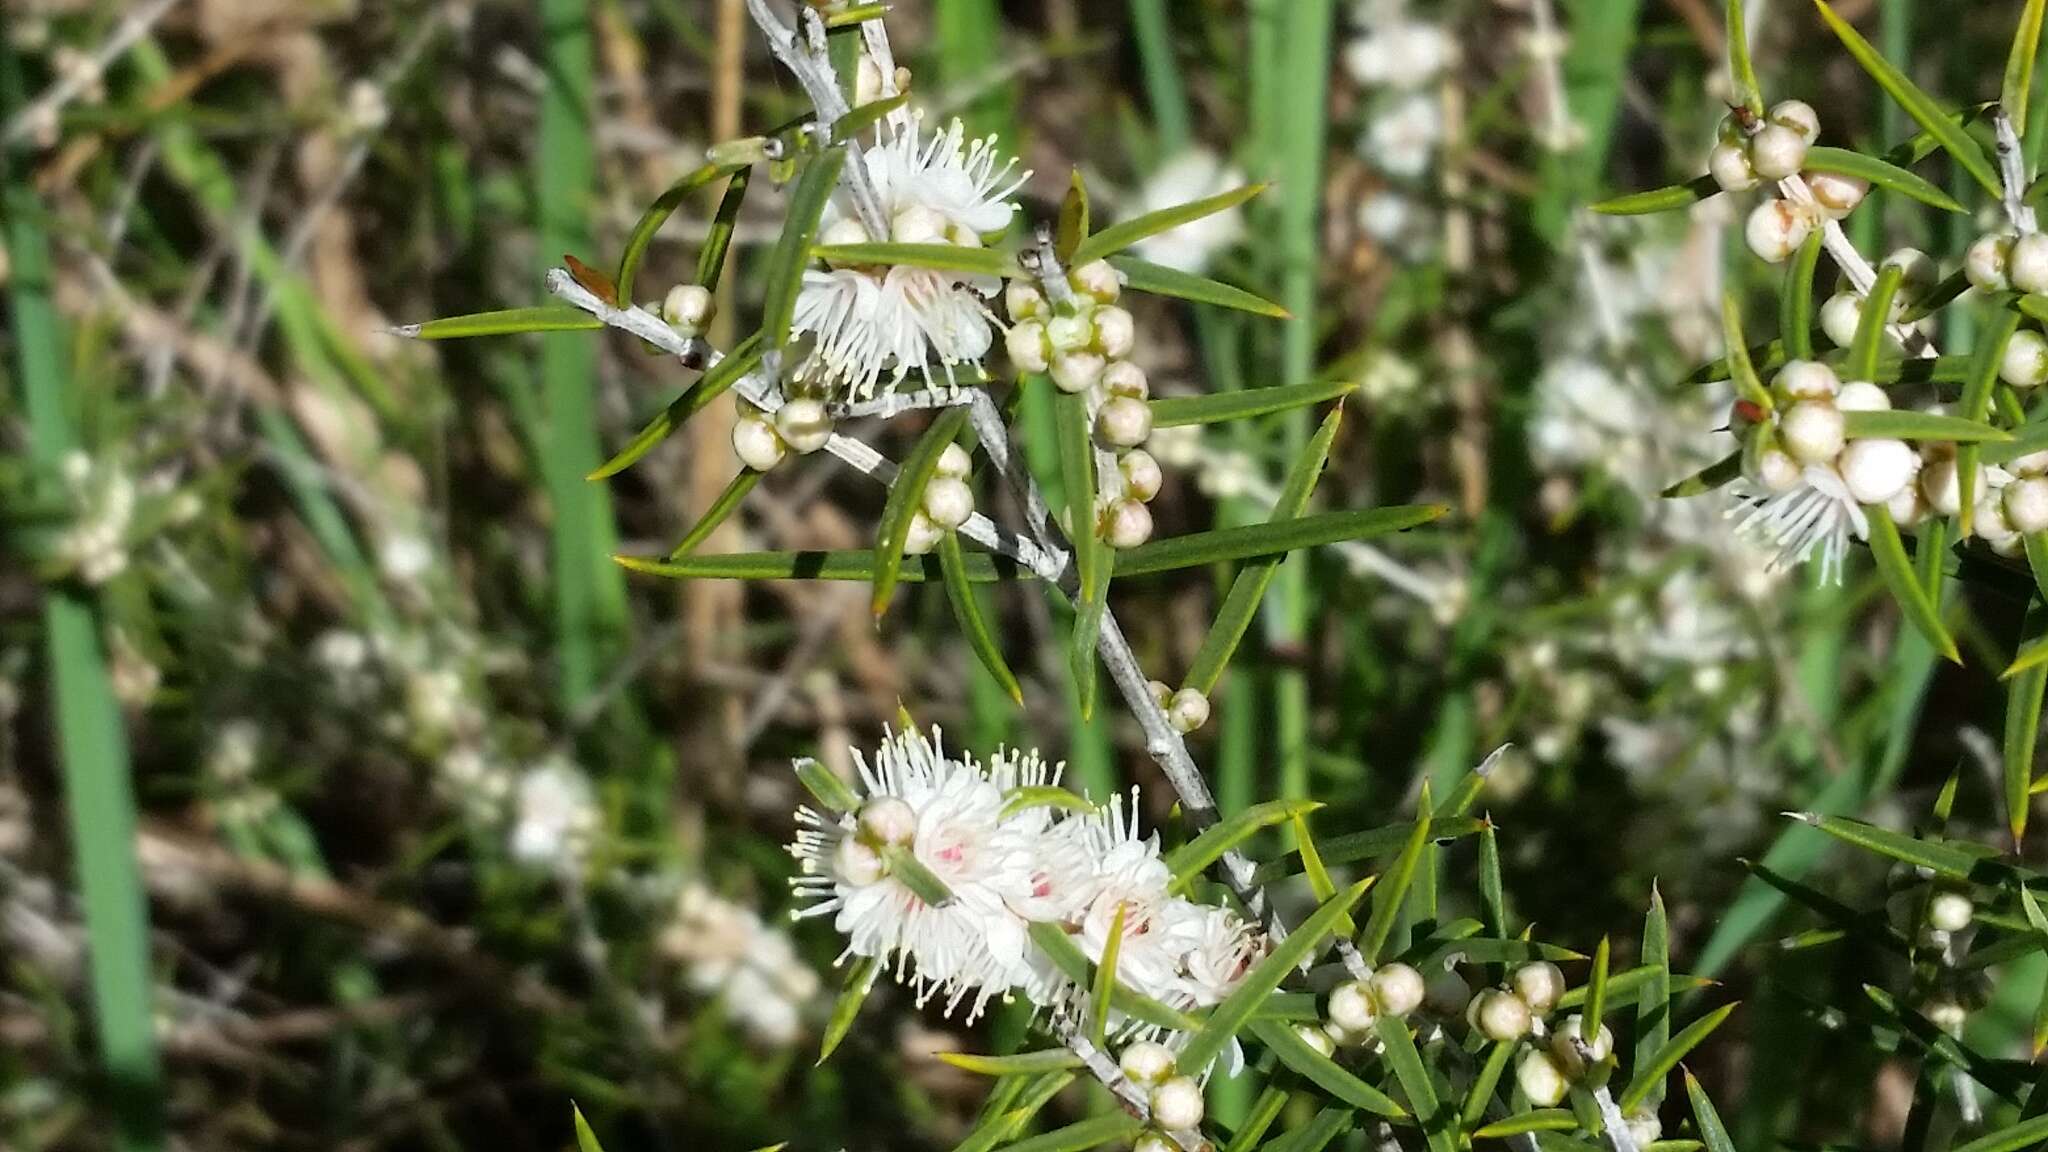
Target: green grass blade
x,y
1386,902
2019,65
1918,104
967,610
1122,235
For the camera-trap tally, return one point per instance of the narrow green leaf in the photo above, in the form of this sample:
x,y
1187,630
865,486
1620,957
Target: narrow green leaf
x,y
1320,885
1741,71
825,786
1908,424
1386,903
651,221
586,1140
1538,1120
1077,482
792,254
1413,1075
1479,1097
1596,989
859,120
1022,1064
1190,860
860,980
1241,604
1626,988
713,384
1995,1075
1976,405
1918,104
836,565
1245,403
1897,569
1649,1074
1943,859
1088,616
1117,237
1002,1124
1795,303
1317,1134
1073,964
724,222
1285,1043
510,321
1871,327
728,501
1713,1133
1112,1128
912,874
2019,65
1265,1110
1230,1016
1719,474
942,257
2010,1139
1073,224
1748,385
1666,199
906,499
2037,1035
967,610
2023,723
1491,896
2036,546
1105,978
1369,844
1226,544
1159,280
1880,174
1653,1011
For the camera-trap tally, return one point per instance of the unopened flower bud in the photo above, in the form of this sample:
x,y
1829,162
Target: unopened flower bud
x,y
1862,396
1127,524
1142,477
1146,1062
1115,332
1070,333
1177,1105
756,443
954,461
1029,349
1317,1039
1188,710
886,821
1730,167
1840,317
1023,301
1939,483
1499,1015
918,224
1351,1006
1123,422
1988,264
1096,278
1837,195
923,535
1919,274
1946,1014
803,424
1565,1042
1123,378
1776,471
1812,432
1541,1079
1777,152
841,232
2027,265
2026,504
1161,692
948,501
2025,363
1950,912
856,863
1806,380
1876,470
1776,229
1153,1140
1539,984
1397,989
688,307
1799,116
1076,371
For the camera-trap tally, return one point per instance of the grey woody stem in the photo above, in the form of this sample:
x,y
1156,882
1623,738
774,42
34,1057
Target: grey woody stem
x,y
2012,174
807,60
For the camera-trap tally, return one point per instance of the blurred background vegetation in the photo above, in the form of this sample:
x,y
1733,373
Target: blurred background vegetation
x,y
351,796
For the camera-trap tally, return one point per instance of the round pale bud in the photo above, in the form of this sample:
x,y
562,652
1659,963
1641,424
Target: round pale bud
x,y
1862,396
886,821
1070,333
1919,272
1151,1140
1811,432
1161,693
1127,525
1317,1039
1988,264
1776,229
1351,1007
1777,152
1566,1039
844,231
1729,165
1076,371
1146,1062
687,306
1799,116
1189,708
1645,1128
1840,317
1909,507
1142,477
755,442
1946,1014
918,224
1539,984
2026,504
1447,993
1729,130
2027,264
948,501
803,424
1398,989
1806,380
1124,422
1939,483
1177,1104
1877,470
1096,278
1123,378
1776,471
1023,301
922,536
1991,524
1837,195
1500,1015
2025,363
1029,349
1541,1079
867,81
1116,333
2032,464
856,863
954,461
1950,912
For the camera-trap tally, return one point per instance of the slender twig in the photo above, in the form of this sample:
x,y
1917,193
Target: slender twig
x,y
44,108
2012,173
813,71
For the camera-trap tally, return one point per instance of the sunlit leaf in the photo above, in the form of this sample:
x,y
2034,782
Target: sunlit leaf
x,y
1193,858
1119,236
1159,280
545,318
981,637
1918,104
860,980
1649,1074
1386,903
942,257
1245,403
1897,569
1880,174
906,500
1265,976
1667,199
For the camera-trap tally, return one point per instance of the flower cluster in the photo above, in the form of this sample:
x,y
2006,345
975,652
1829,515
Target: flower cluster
x,y
1085,341
1402,56
726,951
1007,861
95,549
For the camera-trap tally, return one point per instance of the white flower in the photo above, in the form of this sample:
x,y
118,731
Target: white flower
x,y
556,816
1192,175
726,951
1402,139
1816,515
1392,219
873,323
1399,54
405,558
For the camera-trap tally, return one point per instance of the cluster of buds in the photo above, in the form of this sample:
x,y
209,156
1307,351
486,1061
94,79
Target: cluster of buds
x,y
1807,428
2012,500
948,502
2004,262
1084,342
95,548
1752,151
1186,709
1843,312
1174,1100
761,440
